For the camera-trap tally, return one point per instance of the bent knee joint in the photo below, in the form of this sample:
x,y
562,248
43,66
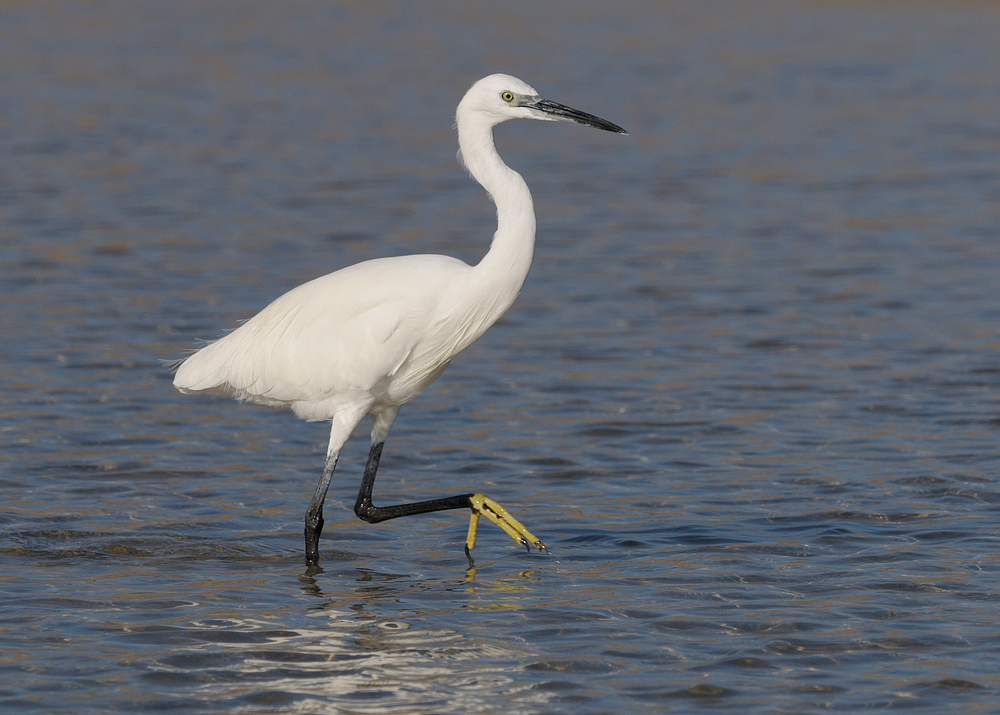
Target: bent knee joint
x,y
365,511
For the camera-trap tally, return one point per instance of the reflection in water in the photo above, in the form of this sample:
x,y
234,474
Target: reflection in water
x,y
377,667
348,654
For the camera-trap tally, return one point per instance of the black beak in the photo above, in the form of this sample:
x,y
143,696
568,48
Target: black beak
x,y
568,114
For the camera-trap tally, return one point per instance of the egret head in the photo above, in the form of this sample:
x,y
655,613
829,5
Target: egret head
x,y
500,97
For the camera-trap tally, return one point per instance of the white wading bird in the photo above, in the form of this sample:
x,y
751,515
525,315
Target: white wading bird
x,y
367,339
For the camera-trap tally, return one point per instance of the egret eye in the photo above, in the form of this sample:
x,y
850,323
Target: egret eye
x,y
507,96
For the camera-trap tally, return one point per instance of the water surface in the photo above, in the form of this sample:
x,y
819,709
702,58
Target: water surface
x,y
749,396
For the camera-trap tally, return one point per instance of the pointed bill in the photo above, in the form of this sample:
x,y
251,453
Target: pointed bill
x,y
568,114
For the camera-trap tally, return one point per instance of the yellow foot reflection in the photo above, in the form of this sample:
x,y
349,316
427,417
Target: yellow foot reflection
x,y
483,505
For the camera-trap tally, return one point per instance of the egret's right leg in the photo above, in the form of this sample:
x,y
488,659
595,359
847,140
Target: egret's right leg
x,y
341,426
314,514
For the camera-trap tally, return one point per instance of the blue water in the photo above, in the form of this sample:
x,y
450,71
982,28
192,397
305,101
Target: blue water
x,y
749,396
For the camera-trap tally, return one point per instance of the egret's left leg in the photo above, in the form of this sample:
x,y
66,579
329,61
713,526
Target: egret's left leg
x,y
480,504
483,505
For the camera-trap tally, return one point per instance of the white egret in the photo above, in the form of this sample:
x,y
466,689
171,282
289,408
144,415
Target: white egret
x,y
367,339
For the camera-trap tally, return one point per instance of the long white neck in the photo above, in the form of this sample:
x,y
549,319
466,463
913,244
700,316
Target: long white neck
x,y
504,268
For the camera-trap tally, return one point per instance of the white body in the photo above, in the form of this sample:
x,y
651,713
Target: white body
x,y
368,338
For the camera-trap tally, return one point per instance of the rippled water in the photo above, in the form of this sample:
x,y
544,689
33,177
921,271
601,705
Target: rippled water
x,y
750,395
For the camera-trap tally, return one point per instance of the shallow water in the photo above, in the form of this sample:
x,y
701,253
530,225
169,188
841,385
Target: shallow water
x,y
750,395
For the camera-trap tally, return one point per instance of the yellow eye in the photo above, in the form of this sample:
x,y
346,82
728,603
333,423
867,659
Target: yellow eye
x,y
507,96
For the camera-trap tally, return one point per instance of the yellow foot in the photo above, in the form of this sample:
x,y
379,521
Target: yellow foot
x,y
483,505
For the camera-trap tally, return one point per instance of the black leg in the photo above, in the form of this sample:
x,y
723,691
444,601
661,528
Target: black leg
x,y
374,514
478,504
314,514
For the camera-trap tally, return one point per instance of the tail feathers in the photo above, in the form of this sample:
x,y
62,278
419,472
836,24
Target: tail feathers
x,y
228,369
201,373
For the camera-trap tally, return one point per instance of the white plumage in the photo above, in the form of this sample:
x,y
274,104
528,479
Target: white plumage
x,y
368,338
335,344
